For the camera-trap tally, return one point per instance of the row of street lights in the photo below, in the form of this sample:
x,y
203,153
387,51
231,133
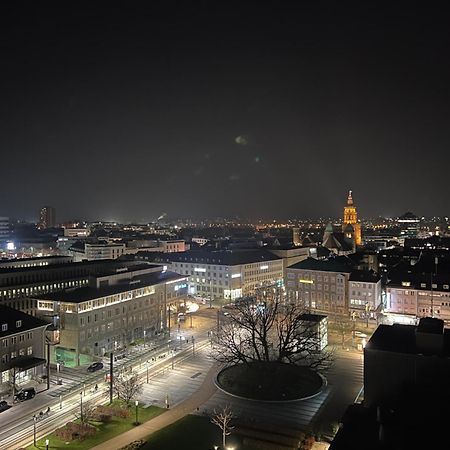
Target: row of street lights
x,y
47,441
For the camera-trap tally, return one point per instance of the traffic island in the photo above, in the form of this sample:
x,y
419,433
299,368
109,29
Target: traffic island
x,y
270,381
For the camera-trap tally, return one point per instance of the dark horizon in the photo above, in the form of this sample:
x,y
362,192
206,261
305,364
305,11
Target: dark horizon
x,y
259,109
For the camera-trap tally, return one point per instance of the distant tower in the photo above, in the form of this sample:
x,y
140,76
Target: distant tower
x,y
351,218
296,236
47,218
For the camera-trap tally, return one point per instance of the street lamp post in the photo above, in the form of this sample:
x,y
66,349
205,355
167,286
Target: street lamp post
x,y
144,337
60,402
137,404
34,430
81,406
58,368
210,294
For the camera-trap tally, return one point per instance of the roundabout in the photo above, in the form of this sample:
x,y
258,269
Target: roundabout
x,y
270,382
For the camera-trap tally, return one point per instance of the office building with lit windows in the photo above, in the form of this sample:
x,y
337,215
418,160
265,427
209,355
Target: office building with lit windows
x,y
222,274
20,280
112,311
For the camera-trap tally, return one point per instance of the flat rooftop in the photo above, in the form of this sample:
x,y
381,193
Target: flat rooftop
x,y
87,293
399,338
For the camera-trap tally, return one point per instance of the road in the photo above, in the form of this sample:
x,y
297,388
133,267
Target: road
x,y
175,377
17,423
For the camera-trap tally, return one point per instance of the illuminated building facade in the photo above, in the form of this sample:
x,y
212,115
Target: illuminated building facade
x,y
320,285
222,274
22,349
47,218
351,218
112,312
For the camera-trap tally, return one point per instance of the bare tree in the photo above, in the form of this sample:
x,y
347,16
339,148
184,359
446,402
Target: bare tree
x,y
86,413
265,328
222,418
127,386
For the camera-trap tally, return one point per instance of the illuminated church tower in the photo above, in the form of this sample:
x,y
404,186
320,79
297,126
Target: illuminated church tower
x,y
351,218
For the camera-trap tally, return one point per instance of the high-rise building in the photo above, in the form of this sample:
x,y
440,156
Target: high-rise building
x,y
47,217
4,228
351,218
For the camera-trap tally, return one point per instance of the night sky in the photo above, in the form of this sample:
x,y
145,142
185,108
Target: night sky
x,y
223,108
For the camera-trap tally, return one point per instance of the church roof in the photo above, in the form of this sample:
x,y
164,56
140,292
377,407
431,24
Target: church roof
x,y
338,241
329,228
337,264
349,228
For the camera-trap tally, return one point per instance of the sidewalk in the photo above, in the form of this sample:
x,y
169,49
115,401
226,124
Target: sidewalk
x,y
207,390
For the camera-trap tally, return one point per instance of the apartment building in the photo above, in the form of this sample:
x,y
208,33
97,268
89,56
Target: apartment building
x,y
419,296
364,293
320,285
22,348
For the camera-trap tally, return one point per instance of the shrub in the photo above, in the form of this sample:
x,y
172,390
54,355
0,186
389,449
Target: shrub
x,y
112,410
72,431
135,445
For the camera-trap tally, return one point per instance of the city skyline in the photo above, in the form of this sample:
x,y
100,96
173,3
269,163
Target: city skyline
x,y
223,110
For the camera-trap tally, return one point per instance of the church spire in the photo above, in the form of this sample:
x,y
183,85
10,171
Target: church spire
x,y
349,199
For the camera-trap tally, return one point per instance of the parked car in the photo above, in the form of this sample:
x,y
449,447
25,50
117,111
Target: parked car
x,y
95,366
4,406
25,394
181,317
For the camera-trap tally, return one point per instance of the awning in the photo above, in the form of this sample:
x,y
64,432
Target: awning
x,y
26,362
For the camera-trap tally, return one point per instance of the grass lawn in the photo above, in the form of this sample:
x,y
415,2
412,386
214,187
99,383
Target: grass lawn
x,y
191,433
105,431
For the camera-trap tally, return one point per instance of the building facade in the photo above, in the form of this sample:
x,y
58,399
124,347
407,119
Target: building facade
x,y
320,285
5,229
47,218
420,296
22,348
409,225
351,218
82,251
365,293
112,312
20,283
223,274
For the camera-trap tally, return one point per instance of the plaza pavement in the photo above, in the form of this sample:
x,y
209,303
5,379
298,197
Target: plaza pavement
x,y
193,381
202,394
